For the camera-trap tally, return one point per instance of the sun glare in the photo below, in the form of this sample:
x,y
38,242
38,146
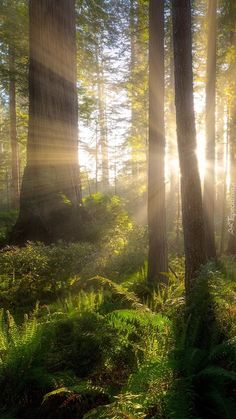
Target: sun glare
x,y
201,154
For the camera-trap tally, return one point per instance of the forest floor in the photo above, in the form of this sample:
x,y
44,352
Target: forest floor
x,y
81,336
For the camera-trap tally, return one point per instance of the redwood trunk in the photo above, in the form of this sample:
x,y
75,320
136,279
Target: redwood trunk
x,y
209,181
157,257
232,142
15,192
191,196
50,194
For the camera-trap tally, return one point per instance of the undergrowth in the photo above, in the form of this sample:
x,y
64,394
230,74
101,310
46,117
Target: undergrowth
x,y
98,344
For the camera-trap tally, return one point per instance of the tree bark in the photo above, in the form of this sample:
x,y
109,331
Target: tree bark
x,y
157,256
50,195
192,209
15,186
209,180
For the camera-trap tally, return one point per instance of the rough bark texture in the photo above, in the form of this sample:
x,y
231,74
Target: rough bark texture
x,y
157,257
50,194
209,181
15,186
192,210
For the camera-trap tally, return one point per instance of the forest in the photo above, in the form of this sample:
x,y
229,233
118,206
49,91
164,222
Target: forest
x,y
118,209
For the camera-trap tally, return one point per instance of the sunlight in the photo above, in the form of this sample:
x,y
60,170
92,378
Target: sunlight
x,y
201,154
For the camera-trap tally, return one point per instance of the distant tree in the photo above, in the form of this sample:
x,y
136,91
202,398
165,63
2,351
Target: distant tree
x,y
15,181
232,123
13,63
192,209
157,256
209,181
50,194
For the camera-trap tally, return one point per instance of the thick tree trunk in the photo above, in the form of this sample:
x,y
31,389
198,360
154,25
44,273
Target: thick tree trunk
x,y
209,181
50,194
15,187
192,210
157,256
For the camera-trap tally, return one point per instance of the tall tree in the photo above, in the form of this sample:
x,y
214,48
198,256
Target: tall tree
x,y
192,209
232,122
50,194
15,185
13,80
102,121
157,257
209,181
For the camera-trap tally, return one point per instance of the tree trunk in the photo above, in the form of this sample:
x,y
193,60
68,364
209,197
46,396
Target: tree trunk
x,y
102,122
157,256
224,195
191,197
209,181
220,160
15,192
50,194
103,136
232,142
134,162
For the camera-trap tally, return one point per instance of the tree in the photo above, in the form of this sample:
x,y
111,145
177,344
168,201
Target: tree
x,y
192,210
157,256
102,121
50,193
15,185
231,14
13,62
209,181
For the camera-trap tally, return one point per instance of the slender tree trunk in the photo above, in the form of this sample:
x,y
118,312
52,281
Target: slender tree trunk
x,y
96,159
232,142
224,195
172,144
134,139
192,210
220,160
157,256
50,195
103,135
209,181
102,122
13,135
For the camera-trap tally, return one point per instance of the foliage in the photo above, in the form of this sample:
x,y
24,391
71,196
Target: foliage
x,y
45,273
7,219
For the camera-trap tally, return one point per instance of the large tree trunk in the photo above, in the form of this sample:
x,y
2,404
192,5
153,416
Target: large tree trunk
x,y
192,210
157,257
209,181
15,186
50,194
